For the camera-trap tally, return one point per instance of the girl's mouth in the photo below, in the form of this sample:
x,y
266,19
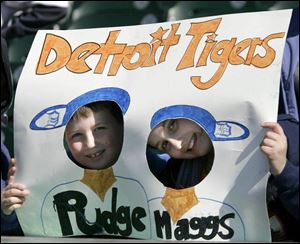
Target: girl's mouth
x,y
192,142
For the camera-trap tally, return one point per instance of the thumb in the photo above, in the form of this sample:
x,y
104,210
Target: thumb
x,y
273,126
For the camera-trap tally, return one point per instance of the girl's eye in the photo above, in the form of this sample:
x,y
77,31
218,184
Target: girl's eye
x,y
171,125
164,146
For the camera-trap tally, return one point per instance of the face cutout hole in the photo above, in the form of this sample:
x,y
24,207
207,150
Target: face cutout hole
x,y
180,153
93,137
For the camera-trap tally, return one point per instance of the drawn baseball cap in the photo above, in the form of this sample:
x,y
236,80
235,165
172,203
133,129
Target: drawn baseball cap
x,y
216,130
59,115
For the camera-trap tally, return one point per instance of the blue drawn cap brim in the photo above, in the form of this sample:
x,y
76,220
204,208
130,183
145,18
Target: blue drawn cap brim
x,y
199,115
59,115
216,130
230,131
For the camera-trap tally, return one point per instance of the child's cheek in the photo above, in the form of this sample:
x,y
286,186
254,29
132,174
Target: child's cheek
x,y
76,147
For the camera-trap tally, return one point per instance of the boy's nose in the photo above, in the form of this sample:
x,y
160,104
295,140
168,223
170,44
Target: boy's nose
x,y
90,141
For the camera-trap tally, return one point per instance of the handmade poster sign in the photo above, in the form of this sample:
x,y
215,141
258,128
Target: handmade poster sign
x,y
150,131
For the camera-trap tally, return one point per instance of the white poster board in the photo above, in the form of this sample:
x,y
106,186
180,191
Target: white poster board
x,y
221,72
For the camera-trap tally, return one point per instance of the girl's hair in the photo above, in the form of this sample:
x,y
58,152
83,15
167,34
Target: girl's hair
x,y
112,107
207,160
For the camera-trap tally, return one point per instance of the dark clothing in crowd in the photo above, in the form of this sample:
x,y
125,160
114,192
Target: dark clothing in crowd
x,y
33,17
9,223
283,190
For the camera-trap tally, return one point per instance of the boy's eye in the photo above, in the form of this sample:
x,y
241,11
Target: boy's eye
x,y
75,136
99,128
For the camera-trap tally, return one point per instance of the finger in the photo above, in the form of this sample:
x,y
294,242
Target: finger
x,y
12,208
11,172
12,162
16,189
12,200
275,127
11,179
272,135
268,142
267,150
16,185
15,193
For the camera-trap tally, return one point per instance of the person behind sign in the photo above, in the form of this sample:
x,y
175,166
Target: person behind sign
x,y
93,139
94,135
180,151
190,148
281,146
13,194
18,18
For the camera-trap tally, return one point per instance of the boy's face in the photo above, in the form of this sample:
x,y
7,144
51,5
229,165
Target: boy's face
x,y
96,141
180,138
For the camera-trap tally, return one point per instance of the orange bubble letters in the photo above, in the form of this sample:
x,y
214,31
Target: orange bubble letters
x,y
147,54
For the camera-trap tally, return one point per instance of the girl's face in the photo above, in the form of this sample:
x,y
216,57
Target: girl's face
x,y
96,141
180,138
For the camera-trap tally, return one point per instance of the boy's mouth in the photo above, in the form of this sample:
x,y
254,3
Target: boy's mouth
x,y
95,154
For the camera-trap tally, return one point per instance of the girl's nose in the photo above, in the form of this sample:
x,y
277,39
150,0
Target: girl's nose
x,y
177,144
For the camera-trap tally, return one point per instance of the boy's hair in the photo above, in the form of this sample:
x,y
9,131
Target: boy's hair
x,y
112,107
